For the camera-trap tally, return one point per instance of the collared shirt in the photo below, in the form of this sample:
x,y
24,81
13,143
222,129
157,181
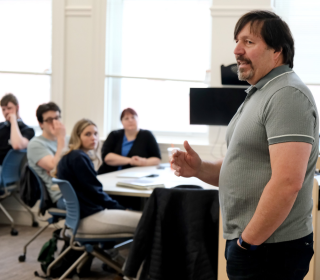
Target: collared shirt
x,y
279,108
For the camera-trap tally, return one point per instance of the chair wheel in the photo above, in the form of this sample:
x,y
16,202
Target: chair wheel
x,y
22,258
75,277
14,232
35,224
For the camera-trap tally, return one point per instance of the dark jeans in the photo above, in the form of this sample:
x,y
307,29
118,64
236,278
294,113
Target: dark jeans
x,y
60,204
274,261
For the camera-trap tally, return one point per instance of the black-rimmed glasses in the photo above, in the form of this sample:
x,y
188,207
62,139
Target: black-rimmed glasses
x,y
50,120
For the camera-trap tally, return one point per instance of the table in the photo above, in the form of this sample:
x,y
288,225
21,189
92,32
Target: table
x,y
166,176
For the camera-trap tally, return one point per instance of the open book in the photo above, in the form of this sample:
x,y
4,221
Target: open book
x,y
141,184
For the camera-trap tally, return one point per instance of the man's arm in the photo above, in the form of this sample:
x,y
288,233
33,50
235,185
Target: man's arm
x,y
50,162
289,164
18,142
210,172
189,164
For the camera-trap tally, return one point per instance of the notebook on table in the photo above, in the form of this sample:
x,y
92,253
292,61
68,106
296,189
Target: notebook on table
x,y
141,184
134,174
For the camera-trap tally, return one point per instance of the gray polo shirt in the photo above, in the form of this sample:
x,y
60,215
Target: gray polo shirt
x,y
279,108
38,148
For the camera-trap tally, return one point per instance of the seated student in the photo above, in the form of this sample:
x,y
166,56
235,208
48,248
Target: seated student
x,y
44,151
99,213
130,146
14,133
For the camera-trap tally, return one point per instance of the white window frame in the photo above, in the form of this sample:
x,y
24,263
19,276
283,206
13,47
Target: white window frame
x,y
113,93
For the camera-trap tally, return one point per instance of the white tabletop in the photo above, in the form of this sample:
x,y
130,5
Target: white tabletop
x,y
166,176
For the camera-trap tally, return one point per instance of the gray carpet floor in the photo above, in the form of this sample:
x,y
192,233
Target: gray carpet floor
x,y
12,246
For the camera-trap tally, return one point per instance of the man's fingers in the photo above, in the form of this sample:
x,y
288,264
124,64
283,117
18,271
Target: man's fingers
x,y
177,153
188,148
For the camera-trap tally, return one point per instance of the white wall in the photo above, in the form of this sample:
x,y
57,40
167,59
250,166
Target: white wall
x,y
78,59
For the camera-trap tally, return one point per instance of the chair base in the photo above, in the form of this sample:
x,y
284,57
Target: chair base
x,y
13,232
50,221
89,251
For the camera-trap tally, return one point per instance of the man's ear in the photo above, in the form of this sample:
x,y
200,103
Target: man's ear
x,y
279,52
41,125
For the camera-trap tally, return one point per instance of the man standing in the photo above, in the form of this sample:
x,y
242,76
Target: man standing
x,y
44,151
14,134
266,178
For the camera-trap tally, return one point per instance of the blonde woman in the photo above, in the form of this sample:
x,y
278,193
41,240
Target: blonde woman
x,y
100,214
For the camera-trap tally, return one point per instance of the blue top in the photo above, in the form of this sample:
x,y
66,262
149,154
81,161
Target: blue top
x,y
126,147
77,168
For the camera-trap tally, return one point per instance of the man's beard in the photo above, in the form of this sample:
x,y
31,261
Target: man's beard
x,y
242,76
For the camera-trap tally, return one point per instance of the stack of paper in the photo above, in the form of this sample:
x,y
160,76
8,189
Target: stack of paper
x,y
141,184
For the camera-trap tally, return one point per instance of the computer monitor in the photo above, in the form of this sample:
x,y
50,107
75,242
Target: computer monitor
x,y
215,106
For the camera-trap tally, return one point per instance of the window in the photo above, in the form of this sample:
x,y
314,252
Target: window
x,y
25,54
304,21
156,51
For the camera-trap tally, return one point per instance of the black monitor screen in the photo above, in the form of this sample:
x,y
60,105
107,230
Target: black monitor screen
x,y
215,106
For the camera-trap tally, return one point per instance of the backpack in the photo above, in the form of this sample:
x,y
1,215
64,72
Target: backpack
x,y
46,257
29,189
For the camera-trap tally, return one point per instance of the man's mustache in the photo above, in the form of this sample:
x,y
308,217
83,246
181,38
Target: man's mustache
x,y
241,58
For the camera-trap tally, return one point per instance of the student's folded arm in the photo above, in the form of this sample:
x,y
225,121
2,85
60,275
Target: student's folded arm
x,y
153,161
47,163
88,176
19,140
116,160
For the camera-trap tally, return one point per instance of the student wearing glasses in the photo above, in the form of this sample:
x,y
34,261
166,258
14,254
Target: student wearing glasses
x,y
45,151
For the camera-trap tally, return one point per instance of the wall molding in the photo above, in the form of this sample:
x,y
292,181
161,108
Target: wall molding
x,y
78,11
235,11
58,54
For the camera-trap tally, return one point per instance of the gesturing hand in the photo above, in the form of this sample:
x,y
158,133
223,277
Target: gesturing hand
x,y
186,164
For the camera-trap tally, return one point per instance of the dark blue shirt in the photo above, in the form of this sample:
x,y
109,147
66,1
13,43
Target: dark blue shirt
x,y
77,168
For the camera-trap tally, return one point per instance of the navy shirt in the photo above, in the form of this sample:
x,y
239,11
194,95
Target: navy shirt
x,y
77,168
5,130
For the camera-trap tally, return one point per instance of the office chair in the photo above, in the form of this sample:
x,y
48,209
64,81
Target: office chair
x,y
9,177
177,236
89,244
56,214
